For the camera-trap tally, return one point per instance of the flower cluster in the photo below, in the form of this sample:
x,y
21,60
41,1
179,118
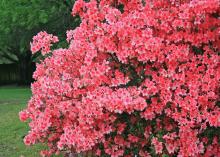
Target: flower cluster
x,y
42,41
139,78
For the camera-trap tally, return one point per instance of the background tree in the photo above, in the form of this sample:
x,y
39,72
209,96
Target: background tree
x,y
21,20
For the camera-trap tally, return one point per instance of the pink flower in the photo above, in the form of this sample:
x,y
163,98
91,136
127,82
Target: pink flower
x,y
23,115
132,138
157,145
42,41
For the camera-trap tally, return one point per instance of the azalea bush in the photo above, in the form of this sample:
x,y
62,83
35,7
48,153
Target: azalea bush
x,y
139,78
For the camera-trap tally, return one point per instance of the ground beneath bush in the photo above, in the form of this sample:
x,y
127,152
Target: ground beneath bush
x,y
12,131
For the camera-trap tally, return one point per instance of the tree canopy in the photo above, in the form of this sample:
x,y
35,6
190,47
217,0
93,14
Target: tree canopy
x,y
21,20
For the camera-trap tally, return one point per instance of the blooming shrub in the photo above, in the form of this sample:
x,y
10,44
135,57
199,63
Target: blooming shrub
x,y
140,77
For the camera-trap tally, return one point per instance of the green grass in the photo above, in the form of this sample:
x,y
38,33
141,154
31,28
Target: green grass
x,y
13,100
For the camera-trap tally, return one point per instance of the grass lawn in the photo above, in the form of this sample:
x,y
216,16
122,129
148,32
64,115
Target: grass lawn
x,y
13,100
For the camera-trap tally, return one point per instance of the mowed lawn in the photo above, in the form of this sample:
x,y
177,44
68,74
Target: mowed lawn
x,y
12,131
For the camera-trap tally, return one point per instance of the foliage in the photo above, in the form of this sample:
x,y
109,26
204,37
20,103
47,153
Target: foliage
x,y
21,20
139,78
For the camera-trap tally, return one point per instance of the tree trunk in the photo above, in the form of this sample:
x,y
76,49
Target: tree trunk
x,y
25,69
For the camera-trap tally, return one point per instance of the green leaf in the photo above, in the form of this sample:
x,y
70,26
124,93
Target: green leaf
x,y
165,155
43,17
